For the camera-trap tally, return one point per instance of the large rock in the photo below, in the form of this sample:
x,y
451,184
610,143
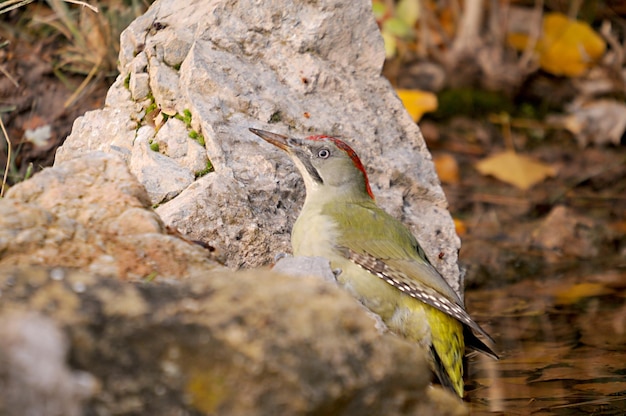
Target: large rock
x,y
91,213
219,343
294,67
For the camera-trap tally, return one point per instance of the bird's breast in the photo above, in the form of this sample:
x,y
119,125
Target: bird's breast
x,y
314,234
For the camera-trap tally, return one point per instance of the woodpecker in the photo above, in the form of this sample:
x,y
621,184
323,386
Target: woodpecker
x,y
381,262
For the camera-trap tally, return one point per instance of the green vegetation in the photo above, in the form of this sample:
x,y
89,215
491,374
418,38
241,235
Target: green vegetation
x,y
193,134
185,118
471,102
276,117
88,34
207,169
152,106
197,137
150,277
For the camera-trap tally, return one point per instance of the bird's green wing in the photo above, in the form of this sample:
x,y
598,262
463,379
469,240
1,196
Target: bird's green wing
x,y
387,249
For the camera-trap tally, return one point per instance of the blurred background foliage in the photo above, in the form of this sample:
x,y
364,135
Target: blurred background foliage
x,y
57,59
83,36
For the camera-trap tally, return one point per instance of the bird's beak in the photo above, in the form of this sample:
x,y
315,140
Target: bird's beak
x,y
277,140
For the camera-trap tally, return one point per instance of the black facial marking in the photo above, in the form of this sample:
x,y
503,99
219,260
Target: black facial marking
x,y
306,161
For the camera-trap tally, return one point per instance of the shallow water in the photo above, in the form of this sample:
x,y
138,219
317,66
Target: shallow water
x,y
562,343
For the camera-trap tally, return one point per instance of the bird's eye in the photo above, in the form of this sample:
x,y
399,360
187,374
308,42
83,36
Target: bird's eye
x,y
323,153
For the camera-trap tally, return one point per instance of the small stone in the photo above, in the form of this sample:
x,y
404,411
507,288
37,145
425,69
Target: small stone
x,y
175,50
300,266
163,177
164,86
139,86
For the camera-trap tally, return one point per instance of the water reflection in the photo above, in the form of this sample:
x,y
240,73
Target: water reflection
x,y
562,343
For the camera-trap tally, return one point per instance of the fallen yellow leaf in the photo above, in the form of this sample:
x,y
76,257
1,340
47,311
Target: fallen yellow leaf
x,y
390,45
447,168
409,11
418,102
517,170
573,294
460,227
566,47
380,10
397,27
517,41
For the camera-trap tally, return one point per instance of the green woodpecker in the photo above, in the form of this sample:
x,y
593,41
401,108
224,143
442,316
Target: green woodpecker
x,y
381,262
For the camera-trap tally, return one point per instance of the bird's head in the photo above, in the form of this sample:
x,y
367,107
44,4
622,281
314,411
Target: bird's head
x,y
326,163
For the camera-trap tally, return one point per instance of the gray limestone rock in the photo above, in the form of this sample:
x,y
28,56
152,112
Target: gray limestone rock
x,y
173,141
297,68
139,85
163,176
164,85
